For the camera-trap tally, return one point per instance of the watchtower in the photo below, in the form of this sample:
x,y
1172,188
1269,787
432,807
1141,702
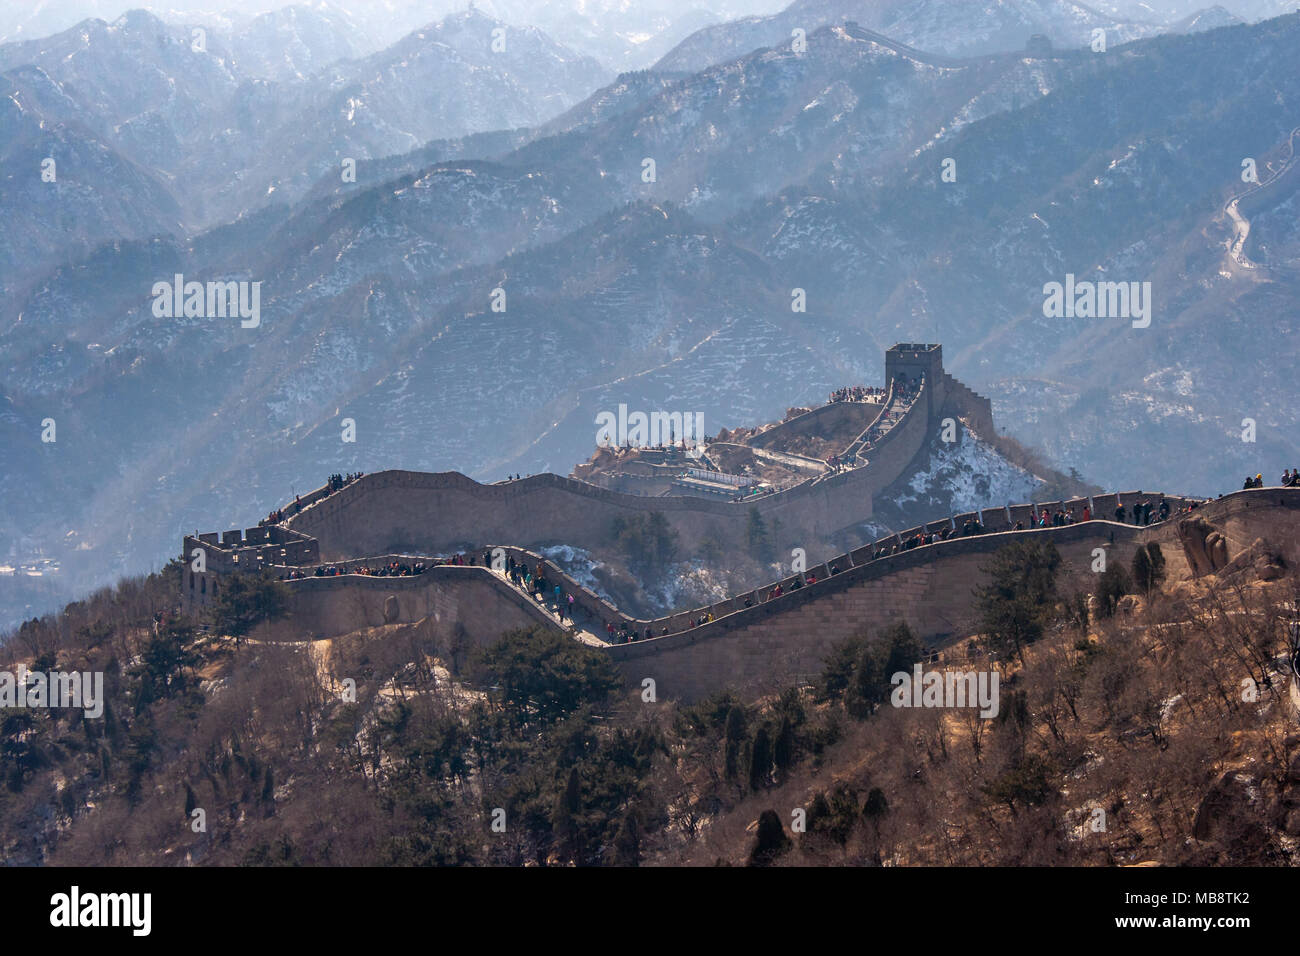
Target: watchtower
x,y
914,360
919,360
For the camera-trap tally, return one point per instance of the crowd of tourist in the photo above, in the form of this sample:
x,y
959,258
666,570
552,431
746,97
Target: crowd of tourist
x,y
1142,511
1056,519
753,491
620,634
535,582
799,582
969,527
907,387
334,483
1290,479
857,393
337,481
519,575
623,634
393,569
905,390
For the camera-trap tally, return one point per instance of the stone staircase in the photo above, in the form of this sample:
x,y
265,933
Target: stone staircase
x,y
895,409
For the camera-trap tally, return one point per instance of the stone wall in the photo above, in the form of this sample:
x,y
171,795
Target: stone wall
x,y
440,513
962,402
819,421
434,513
235,551
930,588
775,640
463,607
1272,514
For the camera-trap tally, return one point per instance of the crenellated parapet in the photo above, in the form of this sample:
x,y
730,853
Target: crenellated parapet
x,y
782,630
211,556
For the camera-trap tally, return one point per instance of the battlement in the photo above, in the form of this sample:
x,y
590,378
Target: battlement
x,y
213,554
914,360
945,533
768,635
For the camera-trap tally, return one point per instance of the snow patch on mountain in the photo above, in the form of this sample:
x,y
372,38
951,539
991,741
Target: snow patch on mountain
x,y
579,565
971,474
691,584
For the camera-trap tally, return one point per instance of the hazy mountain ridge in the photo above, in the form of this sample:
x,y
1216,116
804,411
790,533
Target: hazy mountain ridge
x,y
949,27
96,194
296,41
224,142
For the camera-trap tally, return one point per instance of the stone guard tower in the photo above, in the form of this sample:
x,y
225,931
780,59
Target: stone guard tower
x,y
913,360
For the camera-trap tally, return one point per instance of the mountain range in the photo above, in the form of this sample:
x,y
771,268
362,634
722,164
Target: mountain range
x,y
201,120
912,196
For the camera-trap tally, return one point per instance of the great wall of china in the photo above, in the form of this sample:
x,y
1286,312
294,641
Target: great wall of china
x,y
752,640
395,511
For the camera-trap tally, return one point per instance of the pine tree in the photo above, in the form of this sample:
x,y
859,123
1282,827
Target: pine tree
x,y
1018,600
735,738
760,760
876,806
1113,584
863,692
1148,567
268,791
818,813
771,842
248,599
874,810
564,822
627,845
783,748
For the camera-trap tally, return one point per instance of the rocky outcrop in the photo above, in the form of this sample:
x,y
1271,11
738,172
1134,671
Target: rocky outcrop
x,y
1287,811
1224,805
1231,823
1204,545
1261,561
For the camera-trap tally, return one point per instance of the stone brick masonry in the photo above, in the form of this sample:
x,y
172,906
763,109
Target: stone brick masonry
x,y
768,645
